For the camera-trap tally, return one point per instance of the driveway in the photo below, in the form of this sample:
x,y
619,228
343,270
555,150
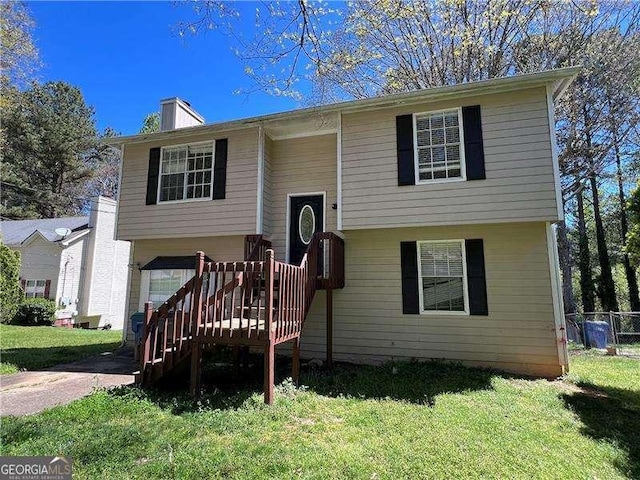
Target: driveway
x,y
25,393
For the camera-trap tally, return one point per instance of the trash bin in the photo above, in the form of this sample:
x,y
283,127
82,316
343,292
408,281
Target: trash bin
x,y
597,334
137,322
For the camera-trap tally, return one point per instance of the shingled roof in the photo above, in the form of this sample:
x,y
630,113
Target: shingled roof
x,y
15,232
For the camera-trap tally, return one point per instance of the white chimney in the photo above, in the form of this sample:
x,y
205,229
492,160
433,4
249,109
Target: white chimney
x,y
176,113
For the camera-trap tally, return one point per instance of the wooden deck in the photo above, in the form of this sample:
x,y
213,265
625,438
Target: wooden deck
x,y
258,302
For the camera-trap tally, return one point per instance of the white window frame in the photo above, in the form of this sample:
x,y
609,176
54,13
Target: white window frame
x,y
184,192
35,286
145,283
416,159
465,288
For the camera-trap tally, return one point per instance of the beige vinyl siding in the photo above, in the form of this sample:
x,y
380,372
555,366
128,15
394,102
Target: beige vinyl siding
x,y
369,326
233,215
220,249
301,165
268,205
520,182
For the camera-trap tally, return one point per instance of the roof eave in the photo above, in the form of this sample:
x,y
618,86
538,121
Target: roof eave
x,y
560,79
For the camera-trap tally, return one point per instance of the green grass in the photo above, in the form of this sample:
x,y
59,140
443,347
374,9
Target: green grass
x,y
30,348
416,420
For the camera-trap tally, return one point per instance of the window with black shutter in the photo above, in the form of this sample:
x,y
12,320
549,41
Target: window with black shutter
x,y
444,276
440,146
187,172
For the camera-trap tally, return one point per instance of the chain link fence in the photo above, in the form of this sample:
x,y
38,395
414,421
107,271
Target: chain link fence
x,y
617,332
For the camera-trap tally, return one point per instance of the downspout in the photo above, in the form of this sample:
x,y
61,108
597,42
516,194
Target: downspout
x,y
260,180
339,172
560,328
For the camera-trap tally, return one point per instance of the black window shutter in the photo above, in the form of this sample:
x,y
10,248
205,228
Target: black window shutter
x,y
473,145
409,263
476,278
404,144
220,169
152,176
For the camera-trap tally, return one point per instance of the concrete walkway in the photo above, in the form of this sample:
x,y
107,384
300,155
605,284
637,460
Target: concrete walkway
x,y
25,393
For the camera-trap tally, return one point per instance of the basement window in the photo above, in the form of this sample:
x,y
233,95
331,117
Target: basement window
x,y
442,276
186,172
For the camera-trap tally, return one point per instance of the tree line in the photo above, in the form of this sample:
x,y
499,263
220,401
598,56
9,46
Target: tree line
x,y
53,158
368,48
320,52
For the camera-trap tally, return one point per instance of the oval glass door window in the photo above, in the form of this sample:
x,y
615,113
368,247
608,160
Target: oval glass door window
x,y
306,224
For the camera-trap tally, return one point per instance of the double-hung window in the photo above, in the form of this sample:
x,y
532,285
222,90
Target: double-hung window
x,y
442,276
439,146
186,172
35,288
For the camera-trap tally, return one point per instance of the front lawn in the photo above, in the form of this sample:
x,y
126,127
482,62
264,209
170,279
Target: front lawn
x,y
419,420
31,348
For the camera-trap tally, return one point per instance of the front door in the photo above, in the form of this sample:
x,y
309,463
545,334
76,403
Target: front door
x,y
306,217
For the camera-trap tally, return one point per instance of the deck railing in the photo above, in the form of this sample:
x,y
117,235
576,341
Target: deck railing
x,y
168,331
255,248
243,303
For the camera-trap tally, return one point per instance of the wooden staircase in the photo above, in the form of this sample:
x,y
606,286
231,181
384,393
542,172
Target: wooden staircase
x,y
256,303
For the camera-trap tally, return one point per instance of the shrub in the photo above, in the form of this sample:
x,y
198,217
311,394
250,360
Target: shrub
x,y
35,312
10,292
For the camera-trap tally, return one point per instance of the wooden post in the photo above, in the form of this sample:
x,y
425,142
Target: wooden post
x,y
269,349
245,358
196,308
145,346
269,372
295,367
329,328
235,355
196,361
269,271
195,321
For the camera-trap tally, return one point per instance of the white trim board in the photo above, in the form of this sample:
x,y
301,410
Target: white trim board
x,y
554,153
260,180
556,295
339,172
120,168
288,217
126,321
143,294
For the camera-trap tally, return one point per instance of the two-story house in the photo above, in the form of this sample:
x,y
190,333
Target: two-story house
x,y
443,200
76,262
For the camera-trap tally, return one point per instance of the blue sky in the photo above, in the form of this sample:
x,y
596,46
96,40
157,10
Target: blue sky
x,y
126,56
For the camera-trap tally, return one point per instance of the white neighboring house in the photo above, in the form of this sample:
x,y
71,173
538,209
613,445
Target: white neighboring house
x,y
76,262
